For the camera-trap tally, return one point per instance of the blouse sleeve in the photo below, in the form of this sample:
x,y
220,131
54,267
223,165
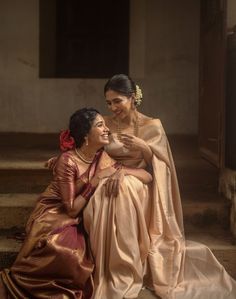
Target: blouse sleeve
x,y
65,174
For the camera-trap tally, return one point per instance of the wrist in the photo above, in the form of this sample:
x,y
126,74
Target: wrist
x,y
88,191
144,146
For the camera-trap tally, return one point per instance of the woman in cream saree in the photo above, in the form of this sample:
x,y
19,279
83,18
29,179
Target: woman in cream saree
x,y
137,238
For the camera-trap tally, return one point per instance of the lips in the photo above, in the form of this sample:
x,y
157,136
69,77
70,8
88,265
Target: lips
x,y
117,112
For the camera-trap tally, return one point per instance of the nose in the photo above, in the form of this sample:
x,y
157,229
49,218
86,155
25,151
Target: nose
x,y
106,129
113,107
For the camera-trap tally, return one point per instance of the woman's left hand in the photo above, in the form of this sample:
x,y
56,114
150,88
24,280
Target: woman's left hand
x,y
50,164
132,142
113,183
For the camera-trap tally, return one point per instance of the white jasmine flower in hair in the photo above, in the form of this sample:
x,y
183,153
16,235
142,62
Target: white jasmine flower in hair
x,y
138,96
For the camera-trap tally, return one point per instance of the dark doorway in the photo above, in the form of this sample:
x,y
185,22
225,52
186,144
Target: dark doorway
x,y
83,39
212,81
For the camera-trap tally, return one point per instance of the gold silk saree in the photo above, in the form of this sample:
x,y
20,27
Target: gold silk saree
x,y
55,260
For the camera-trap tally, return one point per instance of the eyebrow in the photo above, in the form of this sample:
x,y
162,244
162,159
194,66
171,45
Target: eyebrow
x,y
97,123
109,101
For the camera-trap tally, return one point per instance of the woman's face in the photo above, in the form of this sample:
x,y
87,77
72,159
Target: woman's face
x,y
119,104
98,134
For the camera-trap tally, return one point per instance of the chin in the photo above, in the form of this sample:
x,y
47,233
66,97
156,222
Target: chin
x,y
103,143
118,115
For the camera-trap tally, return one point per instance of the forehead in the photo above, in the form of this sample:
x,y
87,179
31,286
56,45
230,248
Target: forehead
x,y
111,95
98,118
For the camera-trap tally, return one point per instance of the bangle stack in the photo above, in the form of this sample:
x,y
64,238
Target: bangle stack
x,y
87,191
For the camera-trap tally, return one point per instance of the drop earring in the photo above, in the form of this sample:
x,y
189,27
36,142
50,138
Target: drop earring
x,y
86,141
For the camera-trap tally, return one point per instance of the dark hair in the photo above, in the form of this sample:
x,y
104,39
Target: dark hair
x,y
80,124
122,84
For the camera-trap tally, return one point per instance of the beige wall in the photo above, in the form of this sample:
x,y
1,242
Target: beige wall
x,y
163,60
231,13
171,64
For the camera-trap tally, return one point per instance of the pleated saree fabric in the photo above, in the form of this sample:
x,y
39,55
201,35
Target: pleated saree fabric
x,y
137,238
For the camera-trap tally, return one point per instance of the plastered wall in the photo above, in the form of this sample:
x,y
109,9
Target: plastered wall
x,y
231,13
164,41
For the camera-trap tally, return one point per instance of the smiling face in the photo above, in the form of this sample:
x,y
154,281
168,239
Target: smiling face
x,y
98,134
119,104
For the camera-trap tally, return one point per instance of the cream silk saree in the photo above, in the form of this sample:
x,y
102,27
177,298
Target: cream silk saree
x,y
137,239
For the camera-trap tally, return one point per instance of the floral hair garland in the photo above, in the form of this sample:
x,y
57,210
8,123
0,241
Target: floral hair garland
x,y
67,142
138,96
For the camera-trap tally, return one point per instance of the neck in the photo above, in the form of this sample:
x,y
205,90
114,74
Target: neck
x,y
89,152
131,122
130,119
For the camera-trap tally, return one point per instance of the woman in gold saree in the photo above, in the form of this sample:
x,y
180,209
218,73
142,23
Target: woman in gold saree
x,y
55,260
137,237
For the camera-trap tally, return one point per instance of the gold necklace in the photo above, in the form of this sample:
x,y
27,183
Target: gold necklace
x,y
135,128
83,157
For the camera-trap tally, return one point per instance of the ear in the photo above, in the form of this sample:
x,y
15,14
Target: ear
x,y
133,106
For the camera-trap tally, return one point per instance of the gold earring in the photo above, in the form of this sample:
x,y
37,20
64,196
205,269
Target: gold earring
x,y
86,141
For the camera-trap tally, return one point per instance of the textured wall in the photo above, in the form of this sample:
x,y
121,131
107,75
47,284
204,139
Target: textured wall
x,y
163,59
171,65
231,13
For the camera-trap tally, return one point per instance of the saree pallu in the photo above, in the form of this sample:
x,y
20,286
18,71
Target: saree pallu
x,y
137,238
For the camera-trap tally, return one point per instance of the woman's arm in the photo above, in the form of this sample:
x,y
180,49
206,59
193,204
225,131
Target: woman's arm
x,y
146,151
65,174
78,205
139,173
114,181
82,199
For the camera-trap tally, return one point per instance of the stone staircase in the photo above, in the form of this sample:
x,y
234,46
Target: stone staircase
x,y
23,176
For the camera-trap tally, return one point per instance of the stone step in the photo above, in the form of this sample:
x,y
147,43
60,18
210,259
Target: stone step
x,y
33,141
24,180
206,209
220,242
15,209
23,171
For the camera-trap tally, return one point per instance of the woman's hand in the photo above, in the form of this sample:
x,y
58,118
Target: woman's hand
x,y
50,164
106,172
132,142
113,183
94,181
